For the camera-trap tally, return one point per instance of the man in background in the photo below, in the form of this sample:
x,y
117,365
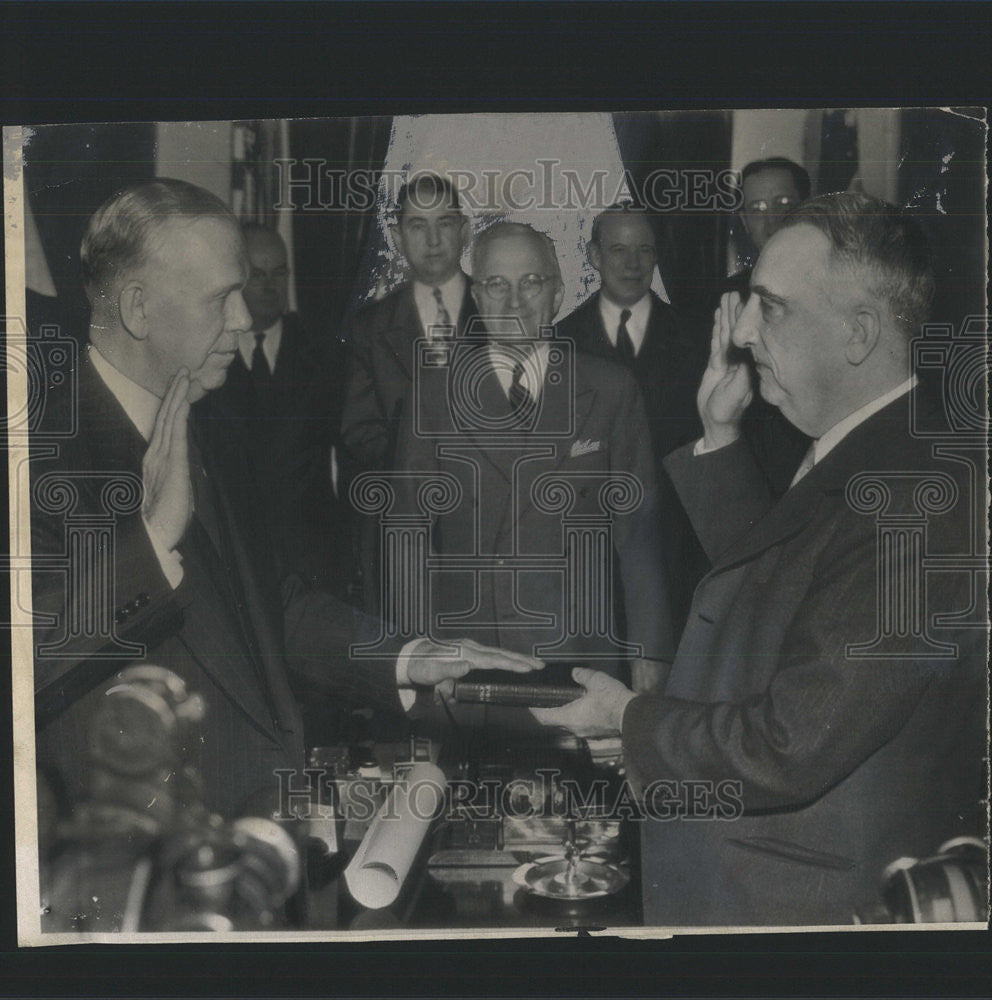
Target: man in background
x,y
629,324
431,232
588,428
282,403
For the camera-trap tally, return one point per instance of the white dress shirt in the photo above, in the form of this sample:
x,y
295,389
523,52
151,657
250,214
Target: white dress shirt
x,y
452,294
270,346
637,325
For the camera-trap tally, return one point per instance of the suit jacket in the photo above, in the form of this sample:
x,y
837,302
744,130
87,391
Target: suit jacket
x,y
594,429
287,433
843,762
668,369
380,341
229,630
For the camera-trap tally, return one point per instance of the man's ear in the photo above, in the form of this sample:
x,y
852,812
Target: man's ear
x,y
866,328
465,232
559,295
477,296
131,303
595,254
398,238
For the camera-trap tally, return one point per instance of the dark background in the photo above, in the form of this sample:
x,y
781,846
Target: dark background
x,y
142,62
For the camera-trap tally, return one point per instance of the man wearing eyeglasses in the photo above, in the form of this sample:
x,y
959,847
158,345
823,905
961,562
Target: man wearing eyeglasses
x,y
770,188
532,408
628,323
282,403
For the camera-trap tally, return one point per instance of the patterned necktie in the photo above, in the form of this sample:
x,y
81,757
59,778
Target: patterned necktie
x,y
805,465
260,370
519,396
625,346
443,317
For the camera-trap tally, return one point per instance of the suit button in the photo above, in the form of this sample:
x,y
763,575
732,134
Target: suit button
x,y
124,612
142,600
499,562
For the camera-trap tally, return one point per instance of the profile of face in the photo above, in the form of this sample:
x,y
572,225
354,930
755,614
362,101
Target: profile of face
x,y
267,291
186,305
514,281
768,195
431,235
795,324
625,255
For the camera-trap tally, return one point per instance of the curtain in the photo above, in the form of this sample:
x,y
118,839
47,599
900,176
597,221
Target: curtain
x,y
335,164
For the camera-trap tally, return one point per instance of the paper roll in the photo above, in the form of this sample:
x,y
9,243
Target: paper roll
x,y
383,859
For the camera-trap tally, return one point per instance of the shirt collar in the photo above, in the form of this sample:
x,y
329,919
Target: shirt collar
x,y
535,367
637,325
140,405
452,294
270,346
828,441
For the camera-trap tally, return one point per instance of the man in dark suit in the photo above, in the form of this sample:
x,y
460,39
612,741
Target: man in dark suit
x,y
829,689
282,402
431,233
181,576
627,323
508,413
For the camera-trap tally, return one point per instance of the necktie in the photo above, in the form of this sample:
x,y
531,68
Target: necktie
x,y
805,465
443,317
519,396
625,346
260,371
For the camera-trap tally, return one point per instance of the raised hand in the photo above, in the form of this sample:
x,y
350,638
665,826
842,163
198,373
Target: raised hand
x,y
431,663
168,504
597,713
725,390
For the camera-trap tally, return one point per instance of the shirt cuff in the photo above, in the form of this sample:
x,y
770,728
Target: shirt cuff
x,y
700,449
406,691
170,560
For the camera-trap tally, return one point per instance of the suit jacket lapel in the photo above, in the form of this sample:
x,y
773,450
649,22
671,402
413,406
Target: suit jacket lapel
x,y
828,478
402,330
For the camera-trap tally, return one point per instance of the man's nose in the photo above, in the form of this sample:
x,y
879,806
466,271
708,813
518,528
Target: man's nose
x,y
514,299
433,236
744,332
238,316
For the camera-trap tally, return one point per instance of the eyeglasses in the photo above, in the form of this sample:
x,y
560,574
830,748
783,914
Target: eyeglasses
x,y
529,286
762,206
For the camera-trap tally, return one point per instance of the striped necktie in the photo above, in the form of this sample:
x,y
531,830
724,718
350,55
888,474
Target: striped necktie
x,y
443,317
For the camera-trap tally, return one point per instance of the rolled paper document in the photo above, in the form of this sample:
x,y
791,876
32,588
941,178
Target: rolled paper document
x,y
383,859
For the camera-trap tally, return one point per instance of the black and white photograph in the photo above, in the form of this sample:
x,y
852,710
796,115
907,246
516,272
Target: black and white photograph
x,y
427,525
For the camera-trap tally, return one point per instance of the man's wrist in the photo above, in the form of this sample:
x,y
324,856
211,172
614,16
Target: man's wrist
x,y
718,436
